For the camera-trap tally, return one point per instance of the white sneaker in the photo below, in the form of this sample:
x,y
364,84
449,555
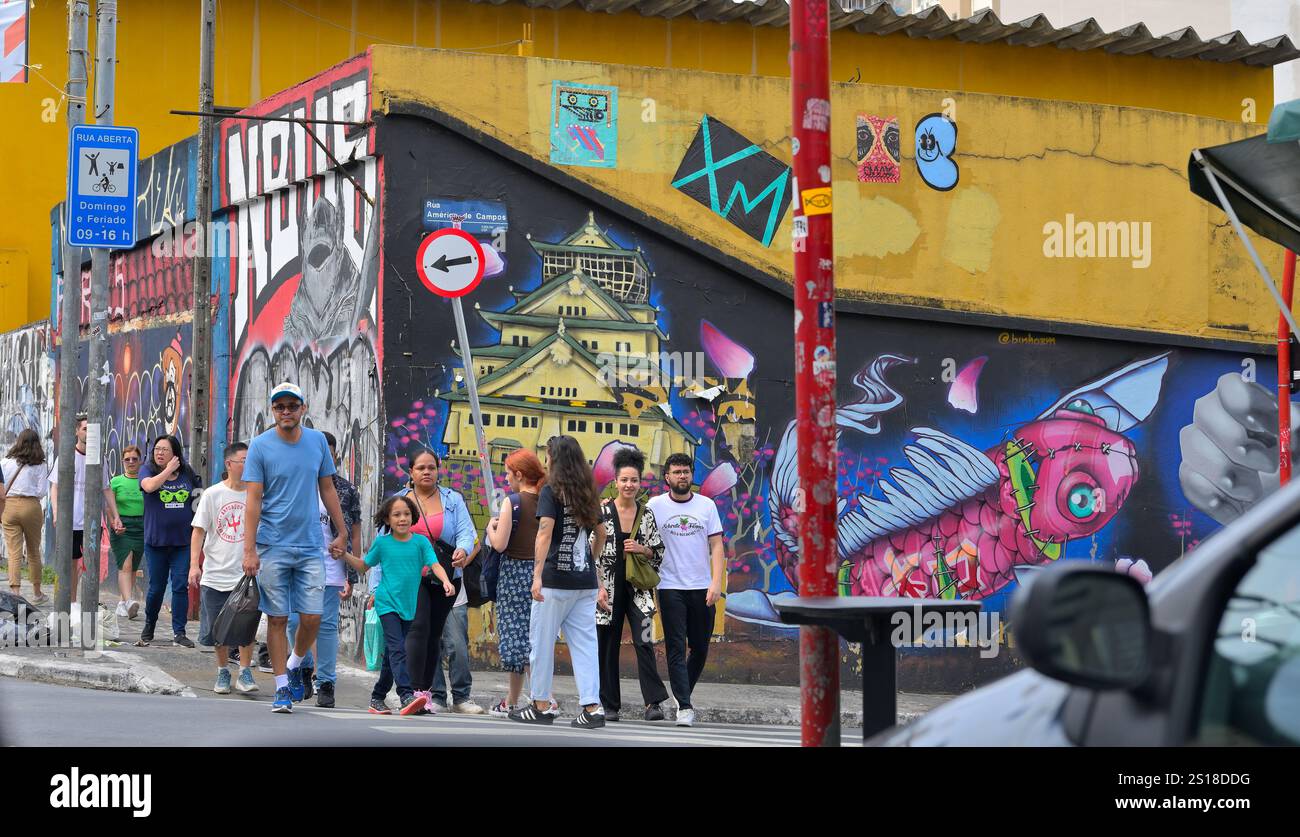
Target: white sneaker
x,y
467,707
685,717
121,609
132,609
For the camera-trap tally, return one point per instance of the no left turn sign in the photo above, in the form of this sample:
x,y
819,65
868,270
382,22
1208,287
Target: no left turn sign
x,y
450,262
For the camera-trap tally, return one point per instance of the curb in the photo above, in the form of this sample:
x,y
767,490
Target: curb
x,y
127,674
783,716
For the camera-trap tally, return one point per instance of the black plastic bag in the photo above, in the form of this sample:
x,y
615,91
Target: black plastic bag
x,y
236,624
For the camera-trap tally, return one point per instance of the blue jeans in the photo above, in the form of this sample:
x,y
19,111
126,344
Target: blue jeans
x,y
575,612
455,647
291,580
327,640
167,563
394,668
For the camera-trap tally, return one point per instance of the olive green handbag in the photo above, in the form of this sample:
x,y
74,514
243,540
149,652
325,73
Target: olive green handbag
x,y
640,573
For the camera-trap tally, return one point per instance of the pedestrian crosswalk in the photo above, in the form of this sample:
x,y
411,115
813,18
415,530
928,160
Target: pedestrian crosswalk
x,y
561,734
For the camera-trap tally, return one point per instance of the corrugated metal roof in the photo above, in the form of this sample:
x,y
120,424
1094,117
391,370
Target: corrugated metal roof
x,y
877,17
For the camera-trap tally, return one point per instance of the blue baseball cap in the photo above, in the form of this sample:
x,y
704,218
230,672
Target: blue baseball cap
x,y
287,388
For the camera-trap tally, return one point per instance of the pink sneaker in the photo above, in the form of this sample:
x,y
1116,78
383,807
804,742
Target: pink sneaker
x,y
429,707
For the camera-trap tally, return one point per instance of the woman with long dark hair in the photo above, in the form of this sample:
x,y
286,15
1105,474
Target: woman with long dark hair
x,y
564,584
445,521
169,485
26,481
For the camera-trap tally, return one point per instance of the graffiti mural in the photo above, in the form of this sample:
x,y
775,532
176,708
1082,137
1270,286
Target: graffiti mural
x,y
147,391
584,125
166,184
936,142
26,384
305,264
968,457
878,149
722,169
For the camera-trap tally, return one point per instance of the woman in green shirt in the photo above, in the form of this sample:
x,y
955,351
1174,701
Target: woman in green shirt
x,y
124,505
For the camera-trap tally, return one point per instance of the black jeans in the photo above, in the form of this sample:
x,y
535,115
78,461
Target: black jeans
x,y
610,638
394,669
687,621
424,642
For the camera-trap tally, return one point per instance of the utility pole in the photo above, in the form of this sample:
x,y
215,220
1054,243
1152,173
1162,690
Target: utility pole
x,y
70,327
814,365
97,366
201,328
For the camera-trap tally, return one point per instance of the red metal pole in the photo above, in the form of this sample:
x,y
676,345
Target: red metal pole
x,y
814,364
1284,375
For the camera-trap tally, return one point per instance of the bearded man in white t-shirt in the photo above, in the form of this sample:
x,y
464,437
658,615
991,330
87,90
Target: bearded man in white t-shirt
x,y
690,579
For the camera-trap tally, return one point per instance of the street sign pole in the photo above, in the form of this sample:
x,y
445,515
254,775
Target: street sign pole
x,y
70,321
450,263
201,322
814,295
471,385
97,366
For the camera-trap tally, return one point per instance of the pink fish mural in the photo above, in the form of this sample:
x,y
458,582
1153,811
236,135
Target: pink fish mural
x,y
960,521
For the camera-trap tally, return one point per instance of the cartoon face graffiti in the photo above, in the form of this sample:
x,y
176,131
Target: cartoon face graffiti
x,y
927,147
936,141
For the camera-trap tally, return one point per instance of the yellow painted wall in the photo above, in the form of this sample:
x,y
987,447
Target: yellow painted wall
x,y
268,45
14,289
978,248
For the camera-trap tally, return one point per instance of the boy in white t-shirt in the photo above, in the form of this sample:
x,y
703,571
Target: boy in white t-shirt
x,y
690,579
216,562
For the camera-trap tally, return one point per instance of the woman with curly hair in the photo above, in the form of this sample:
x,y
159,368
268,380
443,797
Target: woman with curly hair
x,y
628,529
564,584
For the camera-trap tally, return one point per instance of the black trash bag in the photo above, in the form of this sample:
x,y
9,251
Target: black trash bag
x,y
236,624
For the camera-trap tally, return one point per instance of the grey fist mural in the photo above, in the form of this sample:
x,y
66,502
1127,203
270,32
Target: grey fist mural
x,y
1230,450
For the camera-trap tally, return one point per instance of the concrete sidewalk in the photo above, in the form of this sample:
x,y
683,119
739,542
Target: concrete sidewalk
x,y
163,668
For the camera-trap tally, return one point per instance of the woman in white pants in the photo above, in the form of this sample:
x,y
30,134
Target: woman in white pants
x,y
565,589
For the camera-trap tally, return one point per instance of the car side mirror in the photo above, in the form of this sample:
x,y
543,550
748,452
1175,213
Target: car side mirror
x,y
1085,625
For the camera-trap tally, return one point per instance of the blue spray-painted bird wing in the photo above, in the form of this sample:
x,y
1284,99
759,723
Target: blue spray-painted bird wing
x,y
945,472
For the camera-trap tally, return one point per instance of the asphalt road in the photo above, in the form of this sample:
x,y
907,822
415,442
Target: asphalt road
x,y
36,714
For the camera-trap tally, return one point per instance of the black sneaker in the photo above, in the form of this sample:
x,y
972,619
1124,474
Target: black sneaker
x,y
183,641
264,659
325,695
530,715
146,637
611,714
654,713
589,720
307,688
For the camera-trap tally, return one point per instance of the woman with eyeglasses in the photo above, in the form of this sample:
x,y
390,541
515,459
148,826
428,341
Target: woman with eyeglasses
x,y
124,508
168,485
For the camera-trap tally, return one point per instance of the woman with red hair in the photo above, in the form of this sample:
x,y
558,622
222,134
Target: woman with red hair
x,y
514,534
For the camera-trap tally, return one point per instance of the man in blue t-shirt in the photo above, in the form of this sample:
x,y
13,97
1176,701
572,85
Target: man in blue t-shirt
x,y
289,470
